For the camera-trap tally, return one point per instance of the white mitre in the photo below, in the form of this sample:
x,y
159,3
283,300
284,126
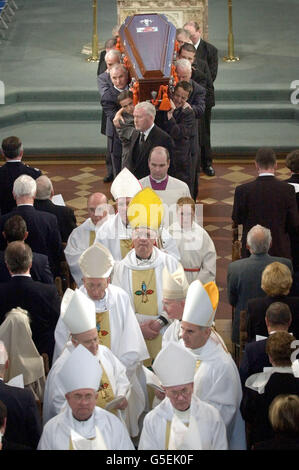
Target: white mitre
x,y
81,370
125,185
174,365
78,311
175,285
96,261
201,303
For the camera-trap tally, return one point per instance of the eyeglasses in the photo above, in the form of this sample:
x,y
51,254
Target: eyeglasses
x,y
176,393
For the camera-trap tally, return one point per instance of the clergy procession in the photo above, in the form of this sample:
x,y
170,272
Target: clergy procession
x,y
108,337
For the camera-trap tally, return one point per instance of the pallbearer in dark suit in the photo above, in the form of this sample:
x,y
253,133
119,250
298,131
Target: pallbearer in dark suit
x,y
148,135
44,236
119,78
269,202
12,151
42,202
207,52
40,300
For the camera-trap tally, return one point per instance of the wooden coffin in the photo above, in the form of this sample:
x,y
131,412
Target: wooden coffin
x,y
148,42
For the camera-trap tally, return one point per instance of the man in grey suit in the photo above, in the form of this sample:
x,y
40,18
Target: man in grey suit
x,y
244,275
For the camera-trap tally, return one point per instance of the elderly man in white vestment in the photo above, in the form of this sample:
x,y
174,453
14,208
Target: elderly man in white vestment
x,y
116,233
84,235
79,315
181,421
216,379
82,425
196,248
116,323
169,189
140,272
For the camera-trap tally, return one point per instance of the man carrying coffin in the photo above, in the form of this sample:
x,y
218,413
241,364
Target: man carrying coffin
x,y
216,379
82,425
78,314
181,421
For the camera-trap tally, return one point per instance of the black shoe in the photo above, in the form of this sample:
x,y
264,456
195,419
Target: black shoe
x,y
108,179
209,170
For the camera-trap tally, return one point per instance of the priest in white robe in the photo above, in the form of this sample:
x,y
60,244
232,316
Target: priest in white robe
x,y
140,272
82,425
116,232
196,248
169,189
84,235
117,326
216,379
78,314
181,421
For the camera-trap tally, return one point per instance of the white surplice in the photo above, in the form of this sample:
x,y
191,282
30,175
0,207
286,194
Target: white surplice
x,y
197,251
54,397
57,432
217,382
209,427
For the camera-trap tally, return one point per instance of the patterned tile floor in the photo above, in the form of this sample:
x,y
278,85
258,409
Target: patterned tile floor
x,y
75,181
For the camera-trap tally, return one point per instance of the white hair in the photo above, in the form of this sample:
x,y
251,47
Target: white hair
x,y
44,187
113,53
118,67
259,239
24,185
183,64
149,108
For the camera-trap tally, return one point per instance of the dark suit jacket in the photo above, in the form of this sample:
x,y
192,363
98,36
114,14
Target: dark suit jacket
x,y
40,269
102,64
201,74
182,129
138,162
9,172
209,54
23,420
295,236
65,216
197,99
271,203
104,83
41,301
254,406
244,283
254,359
256,311
44,236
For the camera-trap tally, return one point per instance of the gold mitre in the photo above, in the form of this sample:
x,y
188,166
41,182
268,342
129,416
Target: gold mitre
x,y
146,210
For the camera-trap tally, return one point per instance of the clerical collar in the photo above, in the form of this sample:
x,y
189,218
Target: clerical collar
x,y
81,420
143,259
266,174
159,181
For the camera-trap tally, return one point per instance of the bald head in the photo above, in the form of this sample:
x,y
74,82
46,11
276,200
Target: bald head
x,y
97,207
44,188
158,163
259,239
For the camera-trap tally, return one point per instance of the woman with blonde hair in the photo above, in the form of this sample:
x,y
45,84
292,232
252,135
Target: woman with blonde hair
x,y
197,250
15,332
276,283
